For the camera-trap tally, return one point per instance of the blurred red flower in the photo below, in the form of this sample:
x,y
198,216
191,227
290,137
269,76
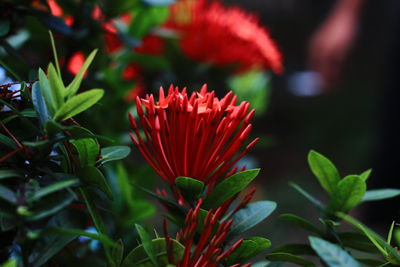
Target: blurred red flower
x,y
198,136
210,32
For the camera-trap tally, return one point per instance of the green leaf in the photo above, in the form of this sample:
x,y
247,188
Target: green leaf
x,y
46,91
51,248
50,205
324,171
243,252
146,19
78,104
10,174
379,194
139,258
287,257
309,197
348,194
8,195
73,87
304,249
357,241
390,253
7,141
114,153
51,189
249,216
52,128
252,86
365,175
147,244
117,253
300,222
92,176
229,187
190,188
57,88
93,211
332,254
78,232
40,104
88,149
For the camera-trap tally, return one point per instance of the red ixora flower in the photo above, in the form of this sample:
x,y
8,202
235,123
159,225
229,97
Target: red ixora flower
x,y
208,250
197,136
213,33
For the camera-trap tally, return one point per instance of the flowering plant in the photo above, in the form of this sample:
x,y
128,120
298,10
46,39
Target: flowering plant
x,y
71,191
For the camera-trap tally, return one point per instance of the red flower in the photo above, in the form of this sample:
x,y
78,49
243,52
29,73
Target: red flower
x,y
208,250
75,63
151,45
198,136
223,36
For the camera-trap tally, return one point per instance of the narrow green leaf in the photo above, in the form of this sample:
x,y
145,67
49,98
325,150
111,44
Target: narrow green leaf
x,y
287,257
94,213
357,240
390,234
8,195
53,46
46,91
324,171
249,216
57,88
51,189
111,153
303,249
7,141
309,197
229,187
365,175
380,194
243,252
348,194
51,248
78,104
73,87
147,244
10,174
88,149
92,176
78,232
50,205
332,254
117,253
40,104
190,188
300,222
139,258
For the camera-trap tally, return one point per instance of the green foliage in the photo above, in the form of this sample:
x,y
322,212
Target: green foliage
x,y
332,254
347,194
229,187
138,256
189,187
250,216
287,257
324,171
112,153
78,103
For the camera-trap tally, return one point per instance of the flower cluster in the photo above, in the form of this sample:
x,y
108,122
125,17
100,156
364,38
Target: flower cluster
x,y
210,32
207,251
197,136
